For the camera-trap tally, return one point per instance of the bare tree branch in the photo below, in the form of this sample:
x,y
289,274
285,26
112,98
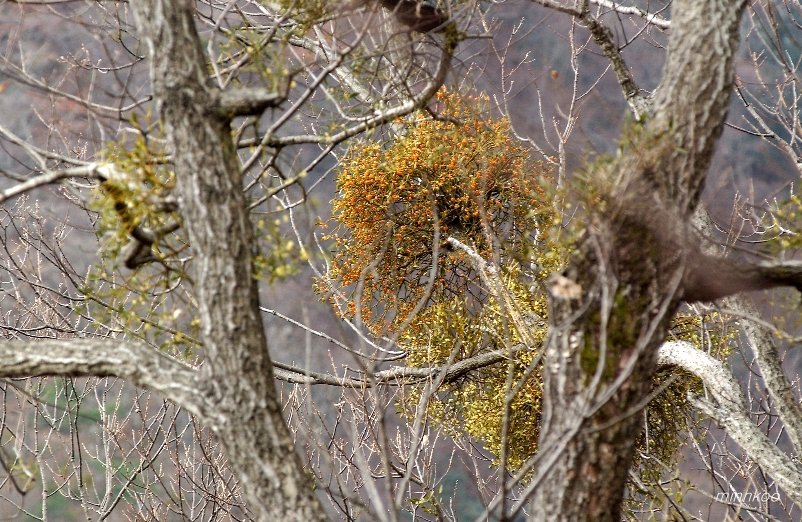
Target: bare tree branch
x,y
249,101
650,18
135,362
762,343
89,171
730,410
768,360
709,277
443,67
397,375
604,38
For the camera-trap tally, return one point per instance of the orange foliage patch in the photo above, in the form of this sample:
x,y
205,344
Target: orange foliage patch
x,y
463,174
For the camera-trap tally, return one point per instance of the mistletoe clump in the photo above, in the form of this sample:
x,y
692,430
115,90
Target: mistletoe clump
x,y
481,403
462,174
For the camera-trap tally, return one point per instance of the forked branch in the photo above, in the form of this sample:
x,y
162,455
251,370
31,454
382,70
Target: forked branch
x,y
730,410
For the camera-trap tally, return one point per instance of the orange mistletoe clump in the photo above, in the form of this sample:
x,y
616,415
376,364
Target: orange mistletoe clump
x,y
462,175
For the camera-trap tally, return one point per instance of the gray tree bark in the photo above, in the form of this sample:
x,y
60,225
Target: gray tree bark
x,y
632,263
728,406
237,374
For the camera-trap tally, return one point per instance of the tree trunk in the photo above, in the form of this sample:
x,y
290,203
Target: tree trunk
x,y
244,411
630,265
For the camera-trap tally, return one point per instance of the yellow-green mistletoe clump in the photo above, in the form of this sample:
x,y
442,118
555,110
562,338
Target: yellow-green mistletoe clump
x,y
141,284
135,194
478,403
